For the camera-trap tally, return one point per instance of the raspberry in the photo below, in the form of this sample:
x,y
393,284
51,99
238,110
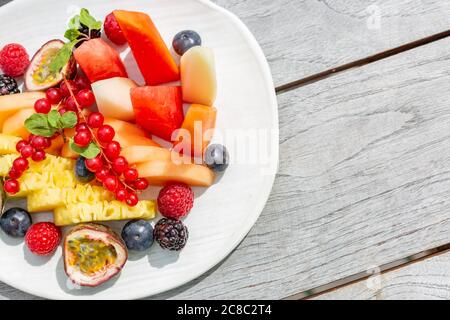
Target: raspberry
x,y
14,60
42,238
175,200
113,31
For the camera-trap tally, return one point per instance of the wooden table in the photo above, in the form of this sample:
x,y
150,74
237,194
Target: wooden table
x,y
361,204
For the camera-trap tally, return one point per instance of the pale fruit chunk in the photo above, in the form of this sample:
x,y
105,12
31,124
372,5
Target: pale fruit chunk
x,y
14,125
113,97
198,76
8,144
10,104
161,172
140,154
103,211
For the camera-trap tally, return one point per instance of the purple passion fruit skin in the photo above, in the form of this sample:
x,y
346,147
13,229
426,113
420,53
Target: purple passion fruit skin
x,y
38,76
90,261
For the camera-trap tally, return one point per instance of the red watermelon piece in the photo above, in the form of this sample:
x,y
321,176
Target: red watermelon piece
x,y
159,110
149,49
99,60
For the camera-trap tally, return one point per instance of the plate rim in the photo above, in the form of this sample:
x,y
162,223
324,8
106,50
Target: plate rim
x,y
265,189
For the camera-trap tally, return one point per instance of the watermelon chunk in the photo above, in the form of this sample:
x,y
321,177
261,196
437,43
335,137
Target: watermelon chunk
x,y
159,110
99,60
151,53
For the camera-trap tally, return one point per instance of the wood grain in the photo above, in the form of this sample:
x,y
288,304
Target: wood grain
x,y
304,37
425,280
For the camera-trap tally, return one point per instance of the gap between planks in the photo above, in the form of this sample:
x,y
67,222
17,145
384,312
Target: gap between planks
x,y
309,294
361,62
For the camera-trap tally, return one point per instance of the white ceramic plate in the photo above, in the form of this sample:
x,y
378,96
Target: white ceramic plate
x,y
222,214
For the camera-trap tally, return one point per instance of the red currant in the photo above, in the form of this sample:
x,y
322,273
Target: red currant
x,y
21,144
39,142
94,164
27,151
95,120
20,164
14,174
70,105
82,82
38,156
121,194
43,106
141,184
54,95
102,174
82,138
130,174
12,186
132,199
81,126
105,134
85,98
65,90
120,164
112,150
111,183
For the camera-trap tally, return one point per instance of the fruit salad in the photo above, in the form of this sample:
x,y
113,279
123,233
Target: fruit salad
x,y
84,141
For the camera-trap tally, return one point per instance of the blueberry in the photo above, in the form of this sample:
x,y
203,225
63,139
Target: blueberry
x,y
138,235
15,222
217,157
185,40
81,172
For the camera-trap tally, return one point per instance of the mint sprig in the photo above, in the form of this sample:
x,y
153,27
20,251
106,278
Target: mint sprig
x,y
46,125
74,36
89,152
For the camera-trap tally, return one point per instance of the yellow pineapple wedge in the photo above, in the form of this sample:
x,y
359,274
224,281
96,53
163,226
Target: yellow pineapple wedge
x,y
103,211
32,181
8,144
50,164
51,198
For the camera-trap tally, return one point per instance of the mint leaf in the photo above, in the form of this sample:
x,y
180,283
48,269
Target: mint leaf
x,y
68,120
74,23
89,152
72,34
62,57
53,118
89,21
38,124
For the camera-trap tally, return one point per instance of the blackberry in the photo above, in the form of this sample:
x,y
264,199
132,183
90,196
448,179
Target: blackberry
x,y
171,234
8,85
95,33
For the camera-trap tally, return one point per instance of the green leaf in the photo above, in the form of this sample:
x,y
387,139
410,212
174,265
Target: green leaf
x,y
74,23
62,57
89,152
72,34
53,118
68,120
89,21
38,124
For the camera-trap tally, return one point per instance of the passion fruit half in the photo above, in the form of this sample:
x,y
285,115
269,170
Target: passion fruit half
x,y
38,75
93,254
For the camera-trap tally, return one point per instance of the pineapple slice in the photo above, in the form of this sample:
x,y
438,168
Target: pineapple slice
x,y
50,164
32,181
49,199
8,144
103,211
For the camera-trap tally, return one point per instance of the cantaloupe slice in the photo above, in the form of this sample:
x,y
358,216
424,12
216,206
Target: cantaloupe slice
x,y
140,154
14,125
125,127
128,140
10,104
117,105
55,148
162,172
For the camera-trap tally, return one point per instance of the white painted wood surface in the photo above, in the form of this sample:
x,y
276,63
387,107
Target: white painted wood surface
x,y
363,177
425,280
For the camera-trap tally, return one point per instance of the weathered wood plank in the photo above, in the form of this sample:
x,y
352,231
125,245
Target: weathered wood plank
x,y
364,180
304,37
425,280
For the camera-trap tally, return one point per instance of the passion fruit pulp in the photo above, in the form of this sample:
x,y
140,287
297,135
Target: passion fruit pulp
x,y
93,254
38,75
